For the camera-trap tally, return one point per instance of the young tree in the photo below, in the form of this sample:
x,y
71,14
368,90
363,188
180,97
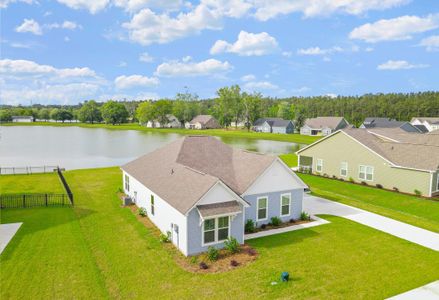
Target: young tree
x,y
184,106
228,105
283,110
90,112
5,115
54,114
44,114
162,109
64,115
145,112
114,112
252,108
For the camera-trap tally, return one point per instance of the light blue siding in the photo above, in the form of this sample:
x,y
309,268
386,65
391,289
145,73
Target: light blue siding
x,y
273,207
195,232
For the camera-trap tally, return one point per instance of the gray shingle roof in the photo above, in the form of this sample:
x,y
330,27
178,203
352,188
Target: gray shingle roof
x,y
382,123
323,122
183,171
273,122
209,210
202,119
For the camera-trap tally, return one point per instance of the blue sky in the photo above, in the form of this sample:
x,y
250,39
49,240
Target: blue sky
x,y
68,51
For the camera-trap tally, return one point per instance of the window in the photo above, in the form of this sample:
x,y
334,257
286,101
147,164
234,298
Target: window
x,y
127,183
365,173
152,204
285,203
319,165
262,208
216,230
344,169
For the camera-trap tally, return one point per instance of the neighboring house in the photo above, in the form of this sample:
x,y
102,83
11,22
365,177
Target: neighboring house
x,y
273,125
22,119
388,123
203,122
237,124
389,157
323,125
173,122
430,124
203,191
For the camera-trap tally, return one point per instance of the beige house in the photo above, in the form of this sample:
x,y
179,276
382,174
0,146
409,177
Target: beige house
x,y
323,125
203,122
389,157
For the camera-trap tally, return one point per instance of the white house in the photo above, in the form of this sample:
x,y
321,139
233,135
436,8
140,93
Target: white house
x,y
203,191
22,119
323,125
203,122
430,124
173,122
273,125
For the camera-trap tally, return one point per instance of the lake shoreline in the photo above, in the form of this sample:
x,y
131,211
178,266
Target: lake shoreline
x,y
230,132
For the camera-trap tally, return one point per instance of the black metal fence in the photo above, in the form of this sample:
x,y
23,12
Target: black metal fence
x,y
34,200
27,170
66,186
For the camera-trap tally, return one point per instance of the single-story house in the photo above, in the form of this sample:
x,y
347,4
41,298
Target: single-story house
x,y
202,191
23,119
323,125
430,124
373,122
173,122
273,125
388,157
203,122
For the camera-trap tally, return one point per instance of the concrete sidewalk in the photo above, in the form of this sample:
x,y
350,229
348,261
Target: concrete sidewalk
x,y
426,292
316,205
7,232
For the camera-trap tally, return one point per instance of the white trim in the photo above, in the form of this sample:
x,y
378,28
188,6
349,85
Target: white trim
x,y
289,205
347,168
215,230
437,182
365,172
266,208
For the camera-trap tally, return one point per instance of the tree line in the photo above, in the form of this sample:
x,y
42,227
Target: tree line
x,y
231,104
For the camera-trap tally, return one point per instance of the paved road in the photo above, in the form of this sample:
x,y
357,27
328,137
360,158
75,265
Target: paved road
x,y
315,206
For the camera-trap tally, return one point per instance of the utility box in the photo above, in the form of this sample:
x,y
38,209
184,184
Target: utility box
x,y
284,276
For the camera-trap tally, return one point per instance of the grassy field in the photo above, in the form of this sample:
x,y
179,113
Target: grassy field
x,y
99,250
35,183
417,211
231,132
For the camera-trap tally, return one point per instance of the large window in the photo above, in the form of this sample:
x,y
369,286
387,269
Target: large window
x,y
127,183
152,205
365,173
319,165
285,204
216,230
262,208
344,169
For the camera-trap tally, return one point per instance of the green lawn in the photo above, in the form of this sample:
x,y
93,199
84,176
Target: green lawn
x,y
100,250
240,133
289,159
417,211
35,183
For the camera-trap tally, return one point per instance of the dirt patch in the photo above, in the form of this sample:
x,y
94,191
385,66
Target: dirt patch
x,y
245,256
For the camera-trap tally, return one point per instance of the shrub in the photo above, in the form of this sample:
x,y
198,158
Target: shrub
x,y
263,226
276,221
232,245
165,238
194,259
304,216
292,221
212,253
334,177
351,179
251,252
325,175
341,179
249,226
380,186
364,183
234,263
142,211
203,266
395,189
418,192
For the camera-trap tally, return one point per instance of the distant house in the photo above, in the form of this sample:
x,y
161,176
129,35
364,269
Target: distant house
x,y
22,119
202,191
425,124
173,122
203,122
373,122
323,125
388,157
273,125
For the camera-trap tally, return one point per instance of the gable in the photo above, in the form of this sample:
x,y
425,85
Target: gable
x,y
217,194
277,177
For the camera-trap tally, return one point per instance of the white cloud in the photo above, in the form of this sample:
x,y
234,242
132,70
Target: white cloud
x,y
11,67
267,9
126,82
93,6
136,5
401,28
5,3
431,43
65,25
66,39
319,51
30,25
248,44
399,65
229,8
122,64
369,49
203,68
331,95
287,53
145,57
260,85
248,77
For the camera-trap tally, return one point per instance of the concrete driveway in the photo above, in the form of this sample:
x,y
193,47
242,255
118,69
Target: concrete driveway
x,y
318,206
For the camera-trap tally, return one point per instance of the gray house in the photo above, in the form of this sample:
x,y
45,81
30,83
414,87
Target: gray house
x,y
373,122
202,191
323,125
273,125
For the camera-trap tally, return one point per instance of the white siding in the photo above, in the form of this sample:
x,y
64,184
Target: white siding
x,y
217,194
164,214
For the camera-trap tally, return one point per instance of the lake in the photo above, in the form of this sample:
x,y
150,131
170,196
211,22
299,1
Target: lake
x,y
78,148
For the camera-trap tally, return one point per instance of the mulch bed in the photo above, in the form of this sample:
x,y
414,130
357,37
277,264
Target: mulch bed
x,y
282,225
192,264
